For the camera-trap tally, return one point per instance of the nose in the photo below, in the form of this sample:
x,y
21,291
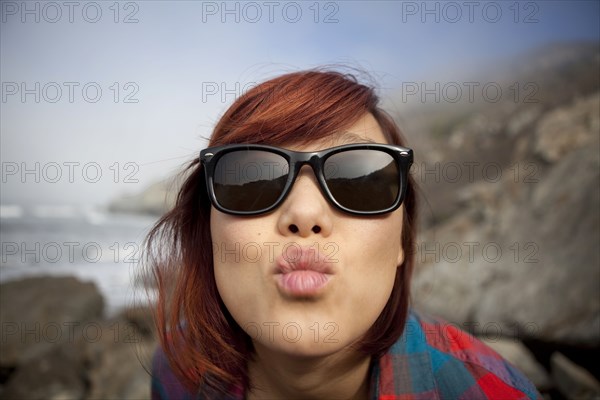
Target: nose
x,y
305,211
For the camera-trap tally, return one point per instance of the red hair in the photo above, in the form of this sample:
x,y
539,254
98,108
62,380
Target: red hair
x,y
205,346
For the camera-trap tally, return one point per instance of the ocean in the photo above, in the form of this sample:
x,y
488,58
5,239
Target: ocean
x,y
85,242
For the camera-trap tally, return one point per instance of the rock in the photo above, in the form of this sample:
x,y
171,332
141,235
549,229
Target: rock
x,y
57,374
141,318
57,345
38,313
444,282
556,230
573,381
567,128
516,353
120,361
520,253
523,119
155,200
111,363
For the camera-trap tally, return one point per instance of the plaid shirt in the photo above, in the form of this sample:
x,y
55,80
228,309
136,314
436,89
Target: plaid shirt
x,y
431,360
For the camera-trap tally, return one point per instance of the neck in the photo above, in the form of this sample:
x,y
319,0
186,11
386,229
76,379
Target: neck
x,y
343,375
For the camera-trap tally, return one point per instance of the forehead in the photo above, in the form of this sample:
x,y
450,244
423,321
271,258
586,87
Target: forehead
x,y
364,130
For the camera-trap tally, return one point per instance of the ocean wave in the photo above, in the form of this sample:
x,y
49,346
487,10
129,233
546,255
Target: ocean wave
x,y
11,211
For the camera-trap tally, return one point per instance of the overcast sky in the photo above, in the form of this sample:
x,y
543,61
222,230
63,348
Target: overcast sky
x,y
94,108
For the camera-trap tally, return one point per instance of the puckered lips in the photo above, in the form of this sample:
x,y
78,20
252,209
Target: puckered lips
x,y
303,272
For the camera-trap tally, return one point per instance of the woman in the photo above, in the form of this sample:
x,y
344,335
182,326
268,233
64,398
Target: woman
x,y
283,270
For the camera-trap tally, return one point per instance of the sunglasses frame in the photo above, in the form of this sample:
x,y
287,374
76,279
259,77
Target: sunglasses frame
x,y
316,159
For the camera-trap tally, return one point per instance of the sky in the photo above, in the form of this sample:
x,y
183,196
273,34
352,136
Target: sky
x,y
102,99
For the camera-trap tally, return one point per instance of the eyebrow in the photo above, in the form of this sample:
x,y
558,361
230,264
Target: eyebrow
x,y
352,138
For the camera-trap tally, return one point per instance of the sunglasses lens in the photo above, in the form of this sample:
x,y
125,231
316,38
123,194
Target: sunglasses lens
x,y
249,180
363,180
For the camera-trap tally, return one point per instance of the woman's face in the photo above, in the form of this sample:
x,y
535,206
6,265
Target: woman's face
x,y
308,313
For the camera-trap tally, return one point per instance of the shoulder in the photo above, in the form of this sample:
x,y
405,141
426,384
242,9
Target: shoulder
x,y
165,384
436,359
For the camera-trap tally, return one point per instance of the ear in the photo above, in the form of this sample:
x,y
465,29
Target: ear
x,y
400,259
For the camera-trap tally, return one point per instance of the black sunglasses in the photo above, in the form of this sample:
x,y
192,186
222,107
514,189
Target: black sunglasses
x,y
361,179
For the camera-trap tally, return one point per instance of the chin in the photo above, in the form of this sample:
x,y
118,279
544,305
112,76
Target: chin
x,y
305,348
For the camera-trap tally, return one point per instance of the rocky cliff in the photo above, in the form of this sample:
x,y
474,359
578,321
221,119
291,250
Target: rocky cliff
x,y
511,215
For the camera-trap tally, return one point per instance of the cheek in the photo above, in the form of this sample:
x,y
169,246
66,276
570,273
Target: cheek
x,y
238,273
379,242
233,288
229,275
375,251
